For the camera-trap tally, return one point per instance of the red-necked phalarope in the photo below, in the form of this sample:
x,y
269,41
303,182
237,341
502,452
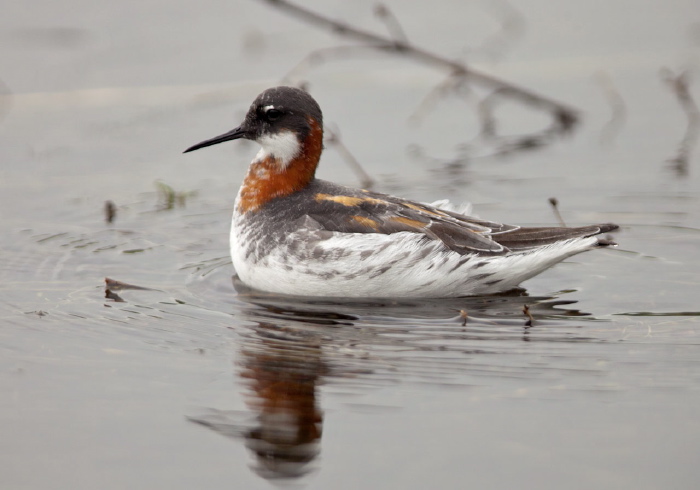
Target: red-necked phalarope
x,y
295,234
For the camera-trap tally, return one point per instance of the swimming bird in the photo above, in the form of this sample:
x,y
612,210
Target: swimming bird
x,y
295,234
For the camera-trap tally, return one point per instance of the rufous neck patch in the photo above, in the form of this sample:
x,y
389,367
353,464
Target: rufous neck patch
x,y
268,178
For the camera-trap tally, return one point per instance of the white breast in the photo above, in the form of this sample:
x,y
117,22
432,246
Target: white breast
x,y
376,265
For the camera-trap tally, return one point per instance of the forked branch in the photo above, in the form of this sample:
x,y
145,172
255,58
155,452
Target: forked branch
x,y
564,116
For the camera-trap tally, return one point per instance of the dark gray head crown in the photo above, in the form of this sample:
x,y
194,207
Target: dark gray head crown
x,y
281,109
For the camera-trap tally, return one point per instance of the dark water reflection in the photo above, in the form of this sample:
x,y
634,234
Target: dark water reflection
x,y
281,370
293,346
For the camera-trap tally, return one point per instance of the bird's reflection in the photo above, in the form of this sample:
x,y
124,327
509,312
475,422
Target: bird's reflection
x,y
281,369
282,372
295,344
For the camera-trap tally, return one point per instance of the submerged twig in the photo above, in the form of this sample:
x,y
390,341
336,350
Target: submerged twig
x,y
531,321
679,85
563,122
618,109
169,197
555,206
451,83
391,22
562,114
109,294
121,286
461,79
333,139
463,316
110,212
321,55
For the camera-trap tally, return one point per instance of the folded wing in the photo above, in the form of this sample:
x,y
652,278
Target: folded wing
x,y
350,211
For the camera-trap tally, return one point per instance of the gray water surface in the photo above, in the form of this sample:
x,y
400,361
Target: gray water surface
x,y
195,381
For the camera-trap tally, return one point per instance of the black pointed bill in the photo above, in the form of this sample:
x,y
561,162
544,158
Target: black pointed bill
x,y
234,134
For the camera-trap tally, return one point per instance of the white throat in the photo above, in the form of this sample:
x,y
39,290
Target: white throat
x,y
283,147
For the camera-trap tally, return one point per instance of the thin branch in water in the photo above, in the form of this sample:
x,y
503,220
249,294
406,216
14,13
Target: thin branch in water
x,y
110,212
109,294
530,321
512,24
169,198
452,168
115,285
460,79
555,206
487,117
618,109
333,139
392,23
451,84
561,112
463,316
322,55
563,121
679,85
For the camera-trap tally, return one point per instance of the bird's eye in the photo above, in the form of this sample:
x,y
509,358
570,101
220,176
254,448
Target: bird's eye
x,y
273,115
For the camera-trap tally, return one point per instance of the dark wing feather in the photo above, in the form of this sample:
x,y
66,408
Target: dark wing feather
x,y
343,209
369,212
529,238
